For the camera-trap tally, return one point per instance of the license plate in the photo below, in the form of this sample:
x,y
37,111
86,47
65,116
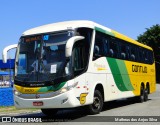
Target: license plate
x,y
37,103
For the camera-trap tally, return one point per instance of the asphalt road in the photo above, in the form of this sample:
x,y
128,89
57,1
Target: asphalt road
x,y
116,110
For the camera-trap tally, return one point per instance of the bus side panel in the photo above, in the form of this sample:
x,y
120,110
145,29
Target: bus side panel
x,y
104,71
140,73
153,79
93,79
120,78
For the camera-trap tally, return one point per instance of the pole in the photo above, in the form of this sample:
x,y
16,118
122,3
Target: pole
x,y
10,79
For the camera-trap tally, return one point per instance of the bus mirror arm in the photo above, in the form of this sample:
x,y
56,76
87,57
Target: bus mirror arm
x,y
5,50
70,43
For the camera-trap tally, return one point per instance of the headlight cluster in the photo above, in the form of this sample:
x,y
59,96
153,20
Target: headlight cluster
x,y
65,89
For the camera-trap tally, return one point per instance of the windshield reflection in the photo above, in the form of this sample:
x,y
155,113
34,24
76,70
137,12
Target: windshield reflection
x,y
42,58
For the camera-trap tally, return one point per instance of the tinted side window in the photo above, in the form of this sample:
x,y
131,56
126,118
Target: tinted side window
x,y
124,50
106,46
140,54
113,48
98,46
109,46
150,57
133,52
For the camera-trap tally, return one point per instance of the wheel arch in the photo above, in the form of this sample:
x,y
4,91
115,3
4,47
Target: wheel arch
x,y
100,87
141,85
148,86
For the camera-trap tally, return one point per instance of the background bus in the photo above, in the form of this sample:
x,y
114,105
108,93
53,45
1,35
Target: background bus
x,y
78,63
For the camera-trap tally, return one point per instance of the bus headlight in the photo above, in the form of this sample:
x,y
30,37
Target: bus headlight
x,y
65,89
16,92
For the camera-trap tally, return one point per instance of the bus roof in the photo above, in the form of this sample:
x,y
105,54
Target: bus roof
x,y
60,26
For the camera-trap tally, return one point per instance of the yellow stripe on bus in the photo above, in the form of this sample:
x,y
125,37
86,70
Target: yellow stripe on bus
x,y
27,90
123,37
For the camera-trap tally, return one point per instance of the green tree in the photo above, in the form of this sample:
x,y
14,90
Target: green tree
x,y
151,37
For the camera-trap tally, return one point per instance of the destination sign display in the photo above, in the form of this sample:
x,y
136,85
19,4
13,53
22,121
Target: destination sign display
x,y
31,39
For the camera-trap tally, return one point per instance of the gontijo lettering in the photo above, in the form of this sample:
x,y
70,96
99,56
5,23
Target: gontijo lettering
x,y
138,68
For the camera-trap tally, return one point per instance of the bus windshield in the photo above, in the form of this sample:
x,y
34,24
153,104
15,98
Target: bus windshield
x,y
42,57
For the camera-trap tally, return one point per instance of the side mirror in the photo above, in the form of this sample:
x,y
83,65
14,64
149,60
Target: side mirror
x,y
70,44
5,50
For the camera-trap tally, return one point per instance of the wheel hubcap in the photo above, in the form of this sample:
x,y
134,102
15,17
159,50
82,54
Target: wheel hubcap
x,y
96,103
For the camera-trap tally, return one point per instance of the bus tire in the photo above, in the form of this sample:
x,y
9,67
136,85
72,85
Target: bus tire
x,y
97,105
146,94
49,112
142,95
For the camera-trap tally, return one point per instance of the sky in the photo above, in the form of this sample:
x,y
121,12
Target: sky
x,y
129,17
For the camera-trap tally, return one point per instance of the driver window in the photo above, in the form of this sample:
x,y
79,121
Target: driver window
x,y
78,58
81,51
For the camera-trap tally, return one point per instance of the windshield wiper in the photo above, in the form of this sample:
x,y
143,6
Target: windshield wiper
x,y
21,79
28,76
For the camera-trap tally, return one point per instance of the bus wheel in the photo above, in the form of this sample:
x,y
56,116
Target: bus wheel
x,y
146,94
142,96
49,112
97,105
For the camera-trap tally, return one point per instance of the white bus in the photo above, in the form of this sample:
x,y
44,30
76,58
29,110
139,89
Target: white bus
x,y
79,63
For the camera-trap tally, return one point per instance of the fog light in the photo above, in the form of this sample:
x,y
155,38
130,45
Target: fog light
x,y
16,103
16,92
64,100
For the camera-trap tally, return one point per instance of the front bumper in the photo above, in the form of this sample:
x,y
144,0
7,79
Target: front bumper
x,y
64,100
